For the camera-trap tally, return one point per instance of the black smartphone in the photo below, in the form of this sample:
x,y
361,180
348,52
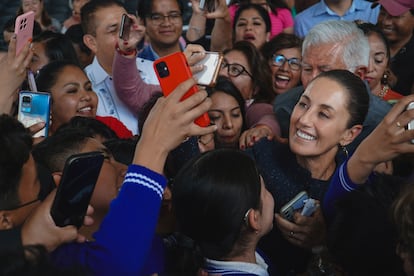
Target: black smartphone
x,y
124,30
75,190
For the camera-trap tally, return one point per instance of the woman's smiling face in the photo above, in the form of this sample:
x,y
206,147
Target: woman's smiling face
x,y
72,96
319,120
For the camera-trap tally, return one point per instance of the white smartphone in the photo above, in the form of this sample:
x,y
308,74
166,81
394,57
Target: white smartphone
x,y
202,4
295,204
212,63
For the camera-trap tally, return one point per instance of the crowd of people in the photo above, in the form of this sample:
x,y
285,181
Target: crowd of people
x,y
308,97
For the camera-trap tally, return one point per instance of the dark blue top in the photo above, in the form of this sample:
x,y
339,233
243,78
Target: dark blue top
x,y
284,178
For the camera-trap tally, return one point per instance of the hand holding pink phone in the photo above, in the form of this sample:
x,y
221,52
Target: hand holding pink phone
x,y
24,30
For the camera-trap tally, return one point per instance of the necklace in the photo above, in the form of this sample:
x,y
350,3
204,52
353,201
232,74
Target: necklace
x,y
384,91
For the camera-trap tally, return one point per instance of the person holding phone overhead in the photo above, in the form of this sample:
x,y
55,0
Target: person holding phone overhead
x,y
101,21
122,242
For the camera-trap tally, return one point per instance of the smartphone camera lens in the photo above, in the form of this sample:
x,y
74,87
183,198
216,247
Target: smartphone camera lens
x,y
27,99
162,69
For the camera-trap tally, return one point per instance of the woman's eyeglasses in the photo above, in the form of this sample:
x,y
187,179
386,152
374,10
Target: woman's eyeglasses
x,y
235,69
279,60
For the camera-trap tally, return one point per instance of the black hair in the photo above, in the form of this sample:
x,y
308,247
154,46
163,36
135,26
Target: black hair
x,y
361,236
369,28
211,195
280,42
225,85
53,151
262,79
48,74
16,144
358,95
57,46
9,25
144,8
260,10
75,34
91,125
273,4
88,13
122,149
402,216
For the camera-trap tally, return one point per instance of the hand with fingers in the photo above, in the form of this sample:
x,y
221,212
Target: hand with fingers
x,y
136,32
170,117
12,73
194,53
249,137
391,136
39,227
304,231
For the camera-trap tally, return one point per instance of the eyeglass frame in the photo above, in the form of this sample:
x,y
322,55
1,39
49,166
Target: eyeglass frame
x,y
288,60
173,17
21,205
224,64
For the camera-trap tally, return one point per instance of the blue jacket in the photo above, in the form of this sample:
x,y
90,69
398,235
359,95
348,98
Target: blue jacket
x,y
124,239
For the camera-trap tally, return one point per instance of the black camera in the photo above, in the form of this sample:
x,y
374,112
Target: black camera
x,y
162,69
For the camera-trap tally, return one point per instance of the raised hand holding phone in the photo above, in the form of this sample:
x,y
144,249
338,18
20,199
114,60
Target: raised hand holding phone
x,y
130,34
34,108
75,190
171,71
24,30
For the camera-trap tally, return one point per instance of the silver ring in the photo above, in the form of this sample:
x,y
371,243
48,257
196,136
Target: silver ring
x,y
398,124
291,234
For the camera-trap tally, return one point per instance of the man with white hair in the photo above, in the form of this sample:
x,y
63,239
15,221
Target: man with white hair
x,y
332,45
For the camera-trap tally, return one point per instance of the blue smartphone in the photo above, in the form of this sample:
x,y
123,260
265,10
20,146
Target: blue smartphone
x,y
34,107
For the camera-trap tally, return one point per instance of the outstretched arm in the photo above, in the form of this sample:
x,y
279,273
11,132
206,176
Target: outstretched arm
x,y
12,74
389,139
125,235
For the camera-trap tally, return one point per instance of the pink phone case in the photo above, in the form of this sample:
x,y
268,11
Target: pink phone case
x,y
23,30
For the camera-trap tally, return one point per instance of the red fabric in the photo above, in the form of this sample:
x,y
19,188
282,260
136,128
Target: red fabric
x,y
392,96
116,125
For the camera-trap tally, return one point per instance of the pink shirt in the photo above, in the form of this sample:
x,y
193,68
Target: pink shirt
x,y
278,22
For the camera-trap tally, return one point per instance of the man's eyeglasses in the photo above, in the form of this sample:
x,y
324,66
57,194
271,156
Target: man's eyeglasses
x,y
21,205
173,17
234,69
279,60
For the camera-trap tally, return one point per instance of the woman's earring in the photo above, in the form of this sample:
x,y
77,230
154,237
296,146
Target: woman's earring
x,y
345,151
384,79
